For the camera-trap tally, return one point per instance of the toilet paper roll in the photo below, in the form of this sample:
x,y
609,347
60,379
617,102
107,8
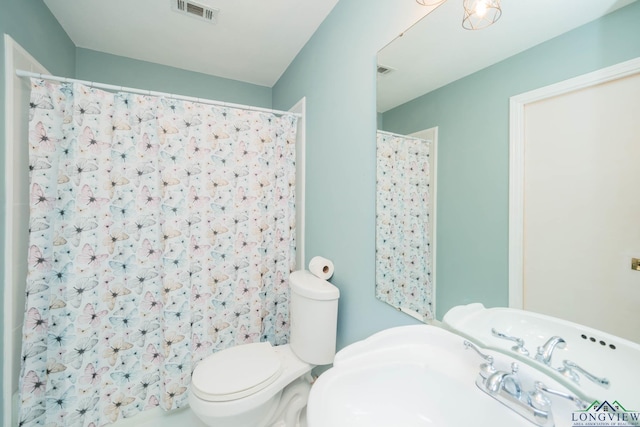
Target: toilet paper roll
x,y
321,267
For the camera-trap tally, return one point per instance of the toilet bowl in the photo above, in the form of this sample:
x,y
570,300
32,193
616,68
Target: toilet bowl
x,y
260,385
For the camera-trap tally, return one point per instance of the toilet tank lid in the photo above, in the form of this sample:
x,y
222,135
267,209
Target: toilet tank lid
x,y
236,372
306,284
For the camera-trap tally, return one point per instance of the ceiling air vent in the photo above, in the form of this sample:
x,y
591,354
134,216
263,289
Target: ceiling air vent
x,y
382,70
196,10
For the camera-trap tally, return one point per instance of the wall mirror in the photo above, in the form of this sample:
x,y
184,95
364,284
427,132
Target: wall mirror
x,y
437,75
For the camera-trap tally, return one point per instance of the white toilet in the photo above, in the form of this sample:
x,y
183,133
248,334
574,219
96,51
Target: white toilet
x,y
258,385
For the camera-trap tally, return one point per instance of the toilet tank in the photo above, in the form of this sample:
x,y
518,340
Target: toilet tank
x,y
313,316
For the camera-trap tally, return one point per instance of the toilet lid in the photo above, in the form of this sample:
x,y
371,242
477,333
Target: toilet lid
x,y
236,372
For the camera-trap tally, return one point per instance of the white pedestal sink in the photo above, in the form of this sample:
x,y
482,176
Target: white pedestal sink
x,y
416,376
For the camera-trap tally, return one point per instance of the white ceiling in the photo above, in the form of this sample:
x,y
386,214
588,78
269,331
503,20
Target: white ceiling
x,y
253,41
437,50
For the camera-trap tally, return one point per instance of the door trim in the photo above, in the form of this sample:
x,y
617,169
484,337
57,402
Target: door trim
x,y
16,156
517,106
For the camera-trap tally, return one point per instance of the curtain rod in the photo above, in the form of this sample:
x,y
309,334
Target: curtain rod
x,y
384,132
23,73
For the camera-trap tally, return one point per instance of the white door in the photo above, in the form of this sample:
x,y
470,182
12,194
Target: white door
x,y
582,206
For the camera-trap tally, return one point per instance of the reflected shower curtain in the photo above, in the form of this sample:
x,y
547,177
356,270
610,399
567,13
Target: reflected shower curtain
x,y
403,242
161,231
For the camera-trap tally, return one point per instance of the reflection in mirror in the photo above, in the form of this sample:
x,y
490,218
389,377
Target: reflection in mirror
x,y
565,164
438,74
405,222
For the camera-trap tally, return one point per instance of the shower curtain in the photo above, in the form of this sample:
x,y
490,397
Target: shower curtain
x,y
403,241
161,231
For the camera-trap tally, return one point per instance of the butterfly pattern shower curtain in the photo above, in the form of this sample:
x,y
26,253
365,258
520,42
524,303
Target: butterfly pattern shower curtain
x,y
161,231
403,241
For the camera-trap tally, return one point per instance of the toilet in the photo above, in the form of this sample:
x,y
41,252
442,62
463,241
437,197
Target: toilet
x,y
259,385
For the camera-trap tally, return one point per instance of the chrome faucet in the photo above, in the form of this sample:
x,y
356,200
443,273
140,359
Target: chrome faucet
x,y
546,351
505,387
506,382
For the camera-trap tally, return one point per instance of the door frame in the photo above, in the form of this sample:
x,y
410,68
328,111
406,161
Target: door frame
x,y
517,106
15,224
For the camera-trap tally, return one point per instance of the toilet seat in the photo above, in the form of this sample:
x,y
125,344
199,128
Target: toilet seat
x,y
236,372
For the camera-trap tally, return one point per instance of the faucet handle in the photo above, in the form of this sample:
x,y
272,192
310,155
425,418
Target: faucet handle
x,y
486,369
518,348
540,398
570,368
472,346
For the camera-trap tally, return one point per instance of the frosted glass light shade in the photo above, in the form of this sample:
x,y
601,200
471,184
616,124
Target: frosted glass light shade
x,y
480,14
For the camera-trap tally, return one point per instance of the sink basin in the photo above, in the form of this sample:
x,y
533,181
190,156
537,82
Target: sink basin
x,y
600,353
414,376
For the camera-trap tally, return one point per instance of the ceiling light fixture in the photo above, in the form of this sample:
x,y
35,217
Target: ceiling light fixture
x,y
480,14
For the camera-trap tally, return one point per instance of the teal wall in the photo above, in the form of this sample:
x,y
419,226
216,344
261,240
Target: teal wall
x,y
117,70
472,115
32,26
336,72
